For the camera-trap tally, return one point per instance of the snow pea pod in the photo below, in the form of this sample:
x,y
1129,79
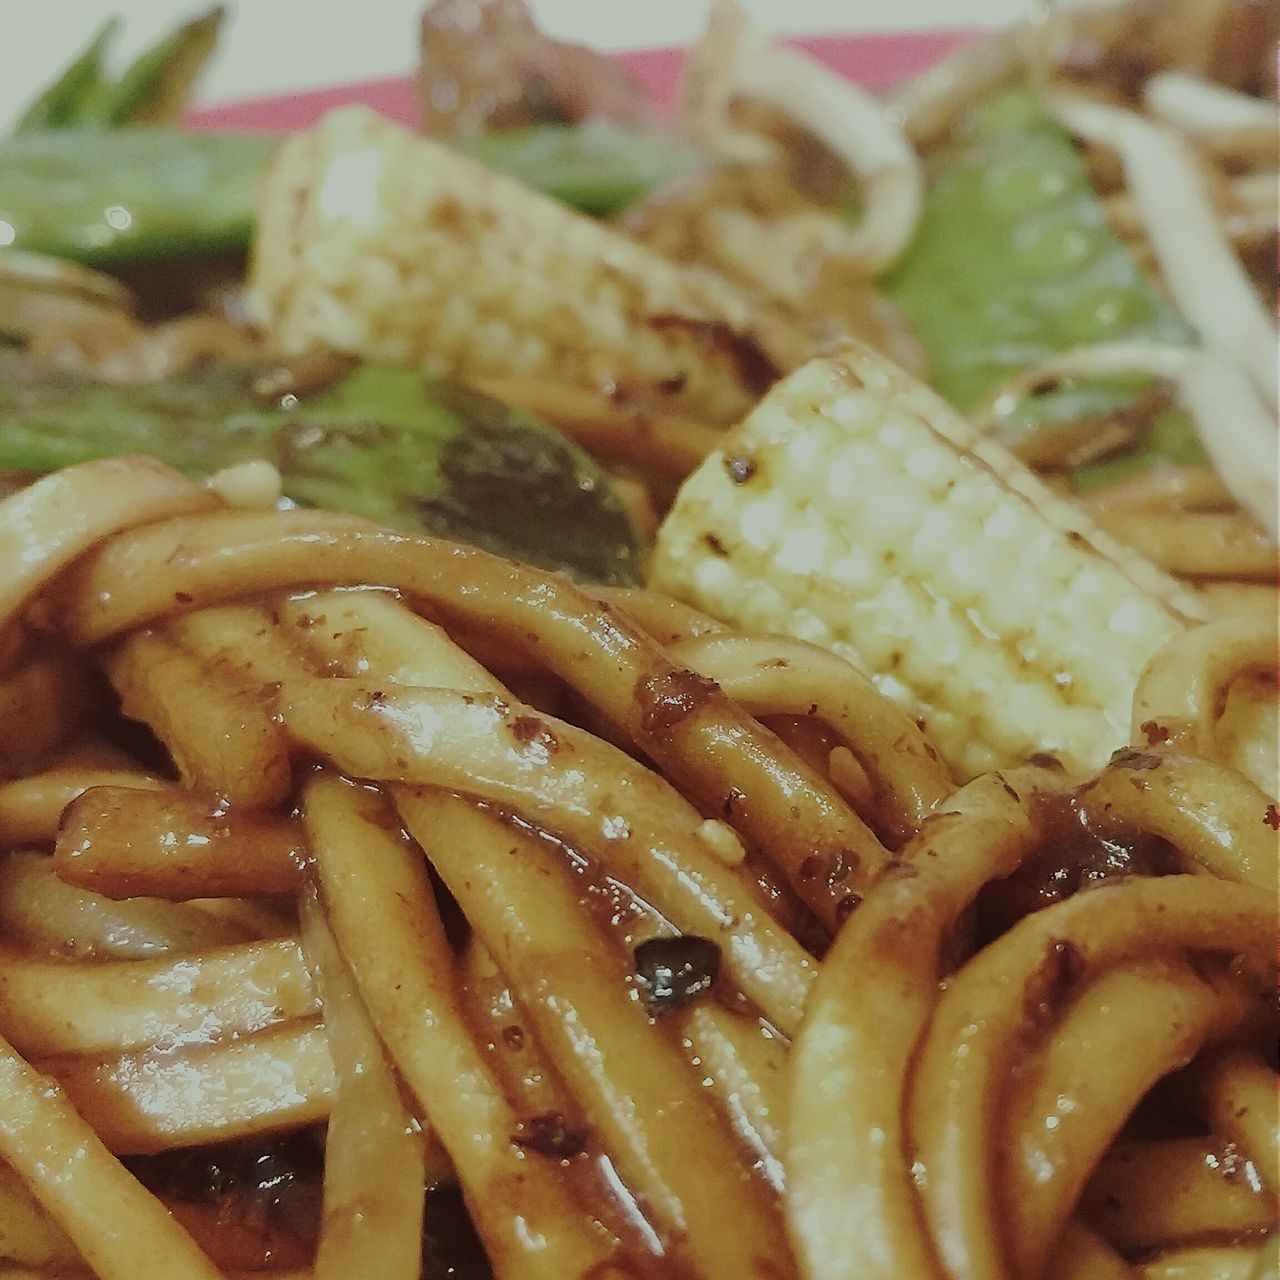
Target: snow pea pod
x,y
106,197
153,89
380,441
1014,261
597,168
69,100
127,195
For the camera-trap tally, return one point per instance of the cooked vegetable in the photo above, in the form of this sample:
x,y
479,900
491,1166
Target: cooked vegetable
x,y
380,442
1171,439
109,197
749,222
1001,617
485,64
69,99
78,185
153,89
598,168
1014,259
380,244
1225,420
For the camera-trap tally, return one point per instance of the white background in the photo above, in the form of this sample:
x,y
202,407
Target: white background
x,y
277,45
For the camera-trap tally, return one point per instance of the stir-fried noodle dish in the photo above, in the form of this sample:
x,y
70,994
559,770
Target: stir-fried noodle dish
x,y
594,692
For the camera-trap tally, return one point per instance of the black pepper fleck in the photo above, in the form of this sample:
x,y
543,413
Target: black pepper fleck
x,y
550,1135
1127,759
676,971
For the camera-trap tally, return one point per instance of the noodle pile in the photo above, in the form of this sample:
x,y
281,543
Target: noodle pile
x,y
519,885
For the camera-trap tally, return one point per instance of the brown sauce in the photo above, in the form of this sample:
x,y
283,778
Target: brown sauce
x,y
252,1203
1070,860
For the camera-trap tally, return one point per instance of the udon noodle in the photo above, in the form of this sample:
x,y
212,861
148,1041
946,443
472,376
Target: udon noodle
x,y
554,927
374,906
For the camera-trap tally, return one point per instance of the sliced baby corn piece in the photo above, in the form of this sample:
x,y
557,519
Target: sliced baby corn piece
x,y
378,243
857,510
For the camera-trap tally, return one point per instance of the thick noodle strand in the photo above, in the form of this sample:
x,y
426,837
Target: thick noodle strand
x,y
983,1015
656,1121
685,724
381,909
374,1158
49,523
53,1006
1064,1114
121,1229
851,1203
600,802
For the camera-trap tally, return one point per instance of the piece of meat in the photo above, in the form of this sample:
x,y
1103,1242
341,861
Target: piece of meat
x,y
484,64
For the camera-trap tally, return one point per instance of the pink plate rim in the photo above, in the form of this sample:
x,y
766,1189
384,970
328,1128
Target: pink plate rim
x,y
877,60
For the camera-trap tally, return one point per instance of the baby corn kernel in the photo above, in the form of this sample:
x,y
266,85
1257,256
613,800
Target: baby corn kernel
x,y
855,509
378,243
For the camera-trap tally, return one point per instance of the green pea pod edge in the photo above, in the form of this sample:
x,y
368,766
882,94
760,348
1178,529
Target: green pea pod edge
x,y
156,87
153,89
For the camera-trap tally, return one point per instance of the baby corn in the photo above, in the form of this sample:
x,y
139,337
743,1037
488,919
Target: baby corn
x,y
381,244
856,509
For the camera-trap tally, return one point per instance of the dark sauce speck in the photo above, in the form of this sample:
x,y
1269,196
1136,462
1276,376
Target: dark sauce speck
x,y
668,697
676,971
277,1179
1053,982
1141,760
551,1135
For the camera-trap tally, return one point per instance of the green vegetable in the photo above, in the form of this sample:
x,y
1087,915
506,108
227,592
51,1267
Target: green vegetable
x,y
129,195
69,99
597,168
74,184
110,197
380,442
1074,400
153,90
1014,261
